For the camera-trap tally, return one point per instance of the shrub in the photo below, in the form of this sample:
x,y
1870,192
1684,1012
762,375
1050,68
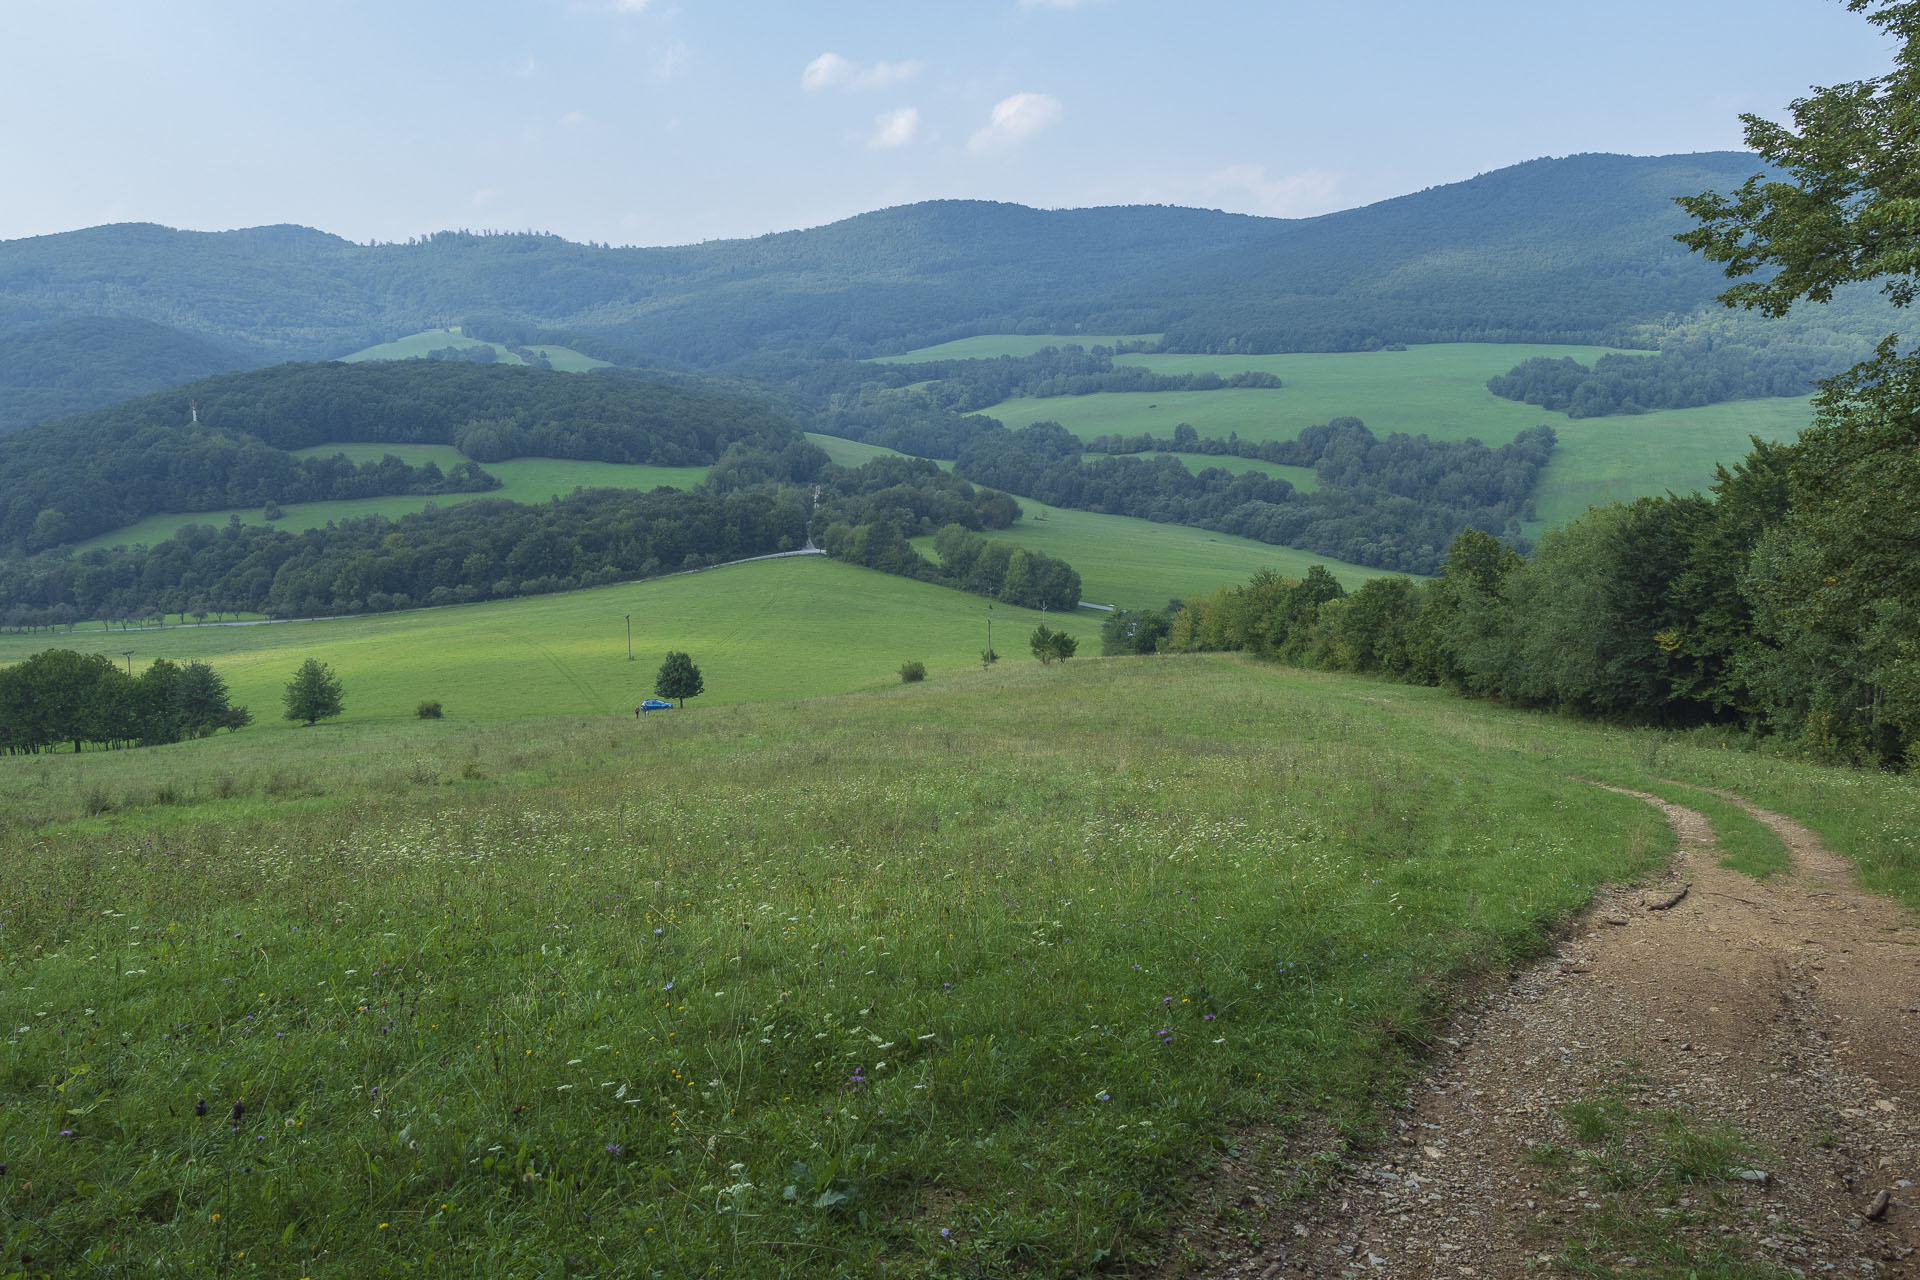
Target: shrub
x,y
913,672
428,711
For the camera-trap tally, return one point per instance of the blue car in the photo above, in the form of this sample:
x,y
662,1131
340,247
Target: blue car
x,y
652,704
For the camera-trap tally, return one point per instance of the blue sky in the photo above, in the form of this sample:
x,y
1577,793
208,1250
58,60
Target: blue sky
x,y
673,121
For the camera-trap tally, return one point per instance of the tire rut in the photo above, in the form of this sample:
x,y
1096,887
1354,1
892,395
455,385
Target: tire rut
x,y
1785,1011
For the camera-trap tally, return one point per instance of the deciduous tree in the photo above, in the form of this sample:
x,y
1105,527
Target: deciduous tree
x,y
678,679
314,693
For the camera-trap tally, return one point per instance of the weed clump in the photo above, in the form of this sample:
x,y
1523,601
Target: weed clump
x,y
913,672
429,710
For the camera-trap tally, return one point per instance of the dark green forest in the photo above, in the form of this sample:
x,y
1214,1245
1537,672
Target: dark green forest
x,y
67,480
81,362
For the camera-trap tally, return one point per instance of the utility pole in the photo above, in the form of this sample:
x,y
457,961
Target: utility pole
x,y
129,656
629,637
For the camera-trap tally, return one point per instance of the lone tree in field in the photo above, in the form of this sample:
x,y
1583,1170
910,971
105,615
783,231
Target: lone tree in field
x,y
1048,644
678,680
314,693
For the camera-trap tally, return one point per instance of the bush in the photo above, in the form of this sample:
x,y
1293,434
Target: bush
x,y
428,711
913,672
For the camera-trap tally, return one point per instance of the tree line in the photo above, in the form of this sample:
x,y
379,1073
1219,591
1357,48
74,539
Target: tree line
x,y
1682,375
757,503
1783,604
69,480
867,514
1395,503
481,550
58,696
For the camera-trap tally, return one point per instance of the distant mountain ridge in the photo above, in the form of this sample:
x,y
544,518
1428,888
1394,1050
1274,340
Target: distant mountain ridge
x,y
1573,249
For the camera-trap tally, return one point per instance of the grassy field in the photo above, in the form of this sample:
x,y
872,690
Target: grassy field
x,y
1438,390
1140,564
969,978
1622,458
416,346
770,630
988,346
521,479
1301,478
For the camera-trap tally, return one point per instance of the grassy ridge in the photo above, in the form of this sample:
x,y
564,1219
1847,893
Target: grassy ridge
x,y
987,346
521,480
1139,564
957,979
415,346
774,630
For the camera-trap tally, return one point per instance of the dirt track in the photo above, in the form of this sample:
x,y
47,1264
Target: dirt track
x,y
1786,1012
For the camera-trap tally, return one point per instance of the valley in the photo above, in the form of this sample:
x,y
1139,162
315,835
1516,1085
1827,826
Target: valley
x,y
1173,700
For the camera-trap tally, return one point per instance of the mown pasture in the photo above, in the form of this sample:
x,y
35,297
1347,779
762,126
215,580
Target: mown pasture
x,y
1618,459
1437,390
988,346
1139,564
415,346
521,480
768,630
1301,478
976,977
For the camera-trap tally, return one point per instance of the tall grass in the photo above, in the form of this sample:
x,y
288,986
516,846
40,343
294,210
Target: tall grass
x,y
967,977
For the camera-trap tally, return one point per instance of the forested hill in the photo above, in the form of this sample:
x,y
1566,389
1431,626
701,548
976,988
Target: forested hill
x,y
1573,250
1578,248
82,362
66,480
911,273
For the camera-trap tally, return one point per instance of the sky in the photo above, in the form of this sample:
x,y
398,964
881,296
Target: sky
x,y
655,122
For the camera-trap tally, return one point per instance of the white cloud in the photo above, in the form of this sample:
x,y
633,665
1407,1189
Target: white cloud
x,y
631,6
894,128
1016,119
526,70
1292,195
1055,4
488,195
831,71
825,71
671,60
574,119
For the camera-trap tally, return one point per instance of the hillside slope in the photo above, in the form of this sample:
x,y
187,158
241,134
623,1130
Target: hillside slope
x,y
1555,250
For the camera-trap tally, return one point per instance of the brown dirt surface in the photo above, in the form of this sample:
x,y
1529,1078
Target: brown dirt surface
x,y
1729,1086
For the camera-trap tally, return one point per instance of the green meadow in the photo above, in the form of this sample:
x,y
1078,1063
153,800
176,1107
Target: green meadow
x,y
989,346
521,479
1139,564
1618,459
415,346
1437,390
1301,478
764,631
978,977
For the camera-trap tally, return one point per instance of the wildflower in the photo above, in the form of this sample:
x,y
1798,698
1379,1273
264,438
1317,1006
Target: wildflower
x,y
66,1133
239,1109
200,1107
613,1148
944,1231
